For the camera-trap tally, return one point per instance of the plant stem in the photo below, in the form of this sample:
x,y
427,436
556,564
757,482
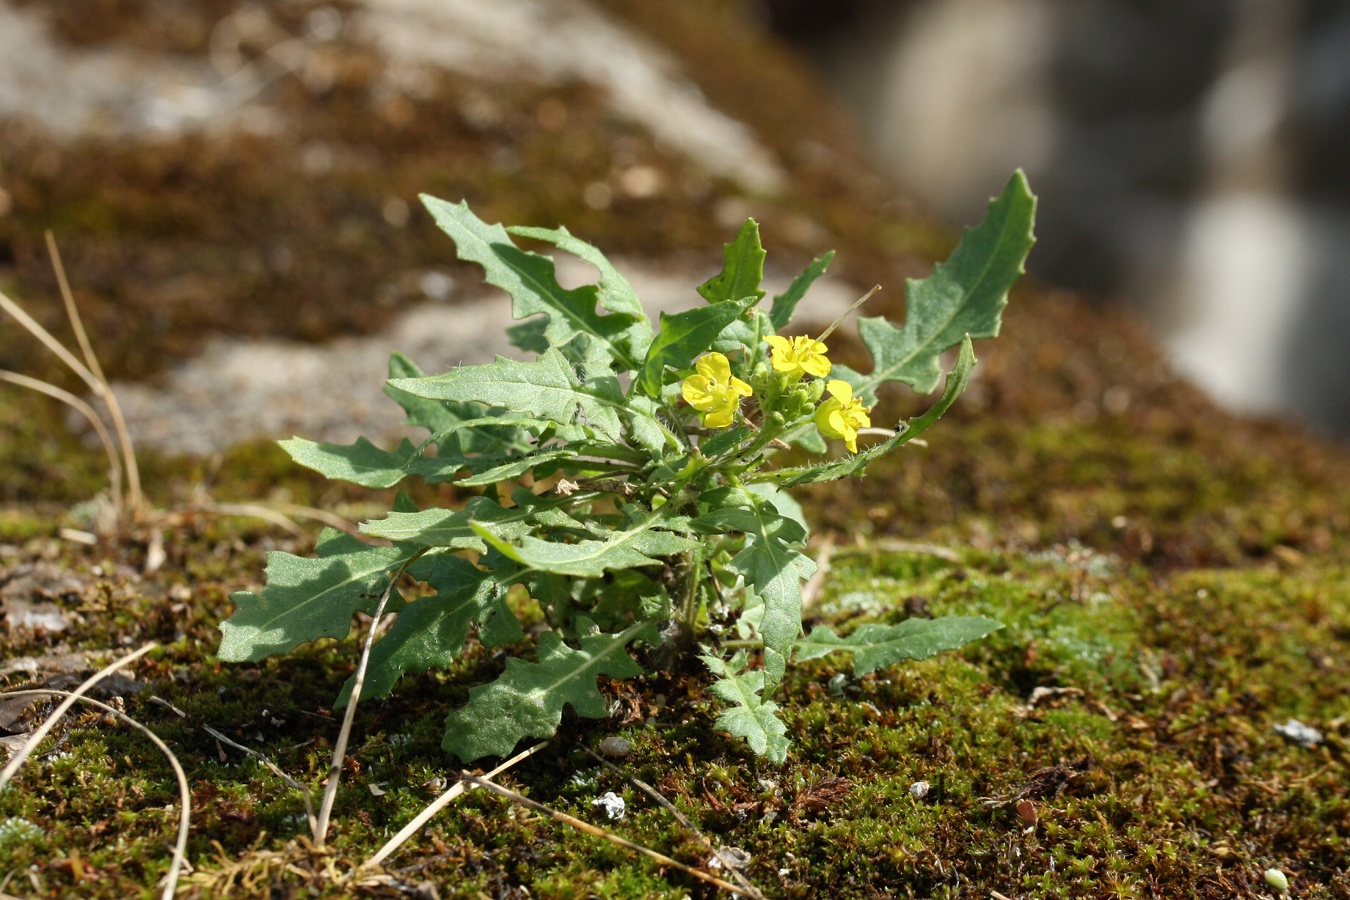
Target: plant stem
x,y
689,604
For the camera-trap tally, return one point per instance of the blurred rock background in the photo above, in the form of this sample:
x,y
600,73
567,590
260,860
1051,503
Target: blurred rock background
x,y
234,185
1190,158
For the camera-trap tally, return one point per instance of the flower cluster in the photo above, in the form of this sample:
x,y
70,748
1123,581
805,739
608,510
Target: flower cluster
x,y
717,394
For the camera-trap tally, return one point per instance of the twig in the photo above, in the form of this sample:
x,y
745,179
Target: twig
x,y
36,738
814,585
857,303
184,792
101,387
599,832
272,767
282,514
255,511
680,817
436,806
344,733
51,343
84,409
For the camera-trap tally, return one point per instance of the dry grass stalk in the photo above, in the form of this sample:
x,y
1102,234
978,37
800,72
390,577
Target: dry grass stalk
x,y
45,728
344,734
444,800
595,830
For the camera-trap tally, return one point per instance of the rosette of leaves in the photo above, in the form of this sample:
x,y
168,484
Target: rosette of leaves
x,y
605,501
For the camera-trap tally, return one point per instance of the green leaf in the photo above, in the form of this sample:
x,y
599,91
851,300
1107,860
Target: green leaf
x,y
742,269
434,415
459,430
646,427
785,304
453,528
547,387
360,463
957,380
367,465
516,467
683,337
771,564
643,544
307,599
533,285
751,716
876,646
963,296
528,699
613,290
530,335
430,632
717,444
783,502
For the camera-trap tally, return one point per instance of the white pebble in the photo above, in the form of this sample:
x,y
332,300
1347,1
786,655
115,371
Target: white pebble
x,y
1303,735
612,804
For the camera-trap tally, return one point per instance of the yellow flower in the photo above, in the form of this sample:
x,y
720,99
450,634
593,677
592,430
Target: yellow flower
x,y
842,415
799,356
714,391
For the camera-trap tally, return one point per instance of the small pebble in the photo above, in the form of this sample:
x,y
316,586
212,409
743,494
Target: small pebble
x,y
919,789
616,747
729,858
1303,735
612,804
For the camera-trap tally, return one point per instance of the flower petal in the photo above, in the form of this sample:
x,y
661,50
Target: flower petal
x,y
714,367
719,417
816,365
840,390
696,392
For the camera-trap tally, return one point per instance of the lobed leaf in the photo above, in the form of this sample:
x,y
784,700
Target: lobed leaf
x,y
772,565
644,544
307,599
453,528
531,281
360,463
430,632
612,290
750,717
548,387
876,646
742,269
527,700
515,468
435,416
963,296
